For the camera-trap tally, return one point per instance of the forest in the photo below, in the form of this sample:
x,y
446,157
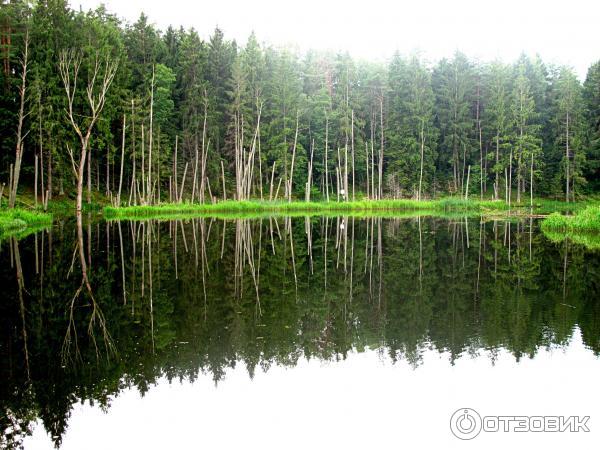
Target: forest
x,y
92,107
249,204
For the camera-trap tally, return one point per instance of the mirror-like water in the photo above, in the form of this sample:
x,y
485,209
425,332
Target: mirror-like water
x,y
286,326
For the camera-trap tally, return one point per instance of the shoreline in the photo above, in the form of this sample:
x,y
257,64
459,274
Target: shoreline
x,y
385,207
21,221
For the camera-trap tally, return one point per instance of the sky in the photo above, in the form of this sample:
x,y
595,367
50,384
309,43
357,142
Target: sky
x,y
562,32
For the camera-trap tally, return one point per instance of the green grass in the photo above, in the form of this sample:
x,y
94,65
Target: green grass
x,y
59,205
389,207
582,228
548,206
584,221
17,222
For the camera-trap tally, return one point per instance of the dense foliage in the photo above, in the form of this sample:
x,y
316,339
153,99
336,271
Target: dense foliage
x,y
265,116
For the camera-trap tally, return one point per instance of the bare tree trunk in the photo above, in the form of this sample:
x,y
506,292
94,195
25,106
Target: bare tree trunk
x,y
277,191
497,183
310,168
422,154
291,181
175,172
345,181
195,177
519,165
21,118
260,174
35,181
337,180
41,151
352,150
381,149
82,163
567,157
223,178
339,176
69,64
134,162
505,185
107,171
326,156
122,161
151,138
143,167
157,178
480,141
272,179
183,182
531,183
49,177
467,186
374,193
204,149
367,166
510,179
89,176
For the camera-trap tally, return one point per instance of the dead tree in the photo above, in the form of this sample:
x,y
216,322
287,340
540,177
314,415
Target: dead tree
x,y
326,157
291,180
102,73
122,161
21,118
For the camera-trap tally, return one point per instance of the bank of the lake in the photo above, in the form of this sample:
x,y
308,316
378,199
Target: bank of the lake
x,y
17,221
585,221
443,207
583,227
354,208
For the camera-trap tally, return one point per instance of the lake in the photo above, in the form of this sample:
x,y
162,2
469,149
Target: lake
x,y
294,332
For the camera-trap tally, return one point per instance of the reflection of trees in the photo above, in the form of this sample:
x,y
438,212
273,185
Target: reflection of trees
x,y
199,296
96,316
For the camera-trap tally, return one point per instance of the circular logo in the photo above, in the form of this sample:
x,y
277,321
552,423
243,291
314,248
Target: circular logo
x,y
465,423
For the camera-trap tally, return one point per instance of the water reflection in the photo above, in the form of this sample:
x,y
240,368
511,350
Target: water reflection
x,y
91,307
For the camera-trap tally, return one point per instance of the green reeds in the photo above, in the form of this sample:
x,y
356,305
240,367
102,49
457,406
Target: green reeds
x,y
386,207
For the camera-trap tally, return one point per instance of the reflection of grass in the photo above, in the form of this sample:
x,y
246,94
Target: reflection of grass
x,y
582,228
20,222
20,233
388,208
591,241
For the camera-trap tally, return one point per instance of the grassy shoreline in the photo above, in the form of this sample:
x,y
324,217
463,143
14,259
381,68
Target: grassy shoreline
x,y
584,221
582,228
250,208
16,221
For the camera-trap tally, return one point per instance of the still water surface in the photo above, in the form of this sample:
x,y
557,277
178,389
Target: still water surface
x,y
294,333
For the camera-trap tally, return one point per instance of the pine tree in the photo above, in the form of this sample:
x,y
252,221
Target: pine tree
x,y
591,95
569,129
454,89
526,143
498,119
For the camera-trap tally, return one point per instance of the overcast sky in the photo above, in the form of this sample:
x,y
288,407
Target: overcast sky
x,y
561,31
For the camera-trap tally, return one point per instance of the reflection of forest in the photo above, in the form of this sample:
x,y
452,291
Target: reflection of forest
x,y
180,298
